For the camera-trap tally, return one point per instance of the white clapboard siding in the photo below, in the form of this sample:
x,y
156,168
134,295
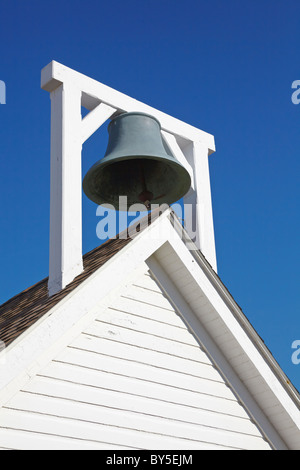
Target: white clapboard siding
x,y
29,440
150,373
166,385
134,392
147,357
157,313
135,378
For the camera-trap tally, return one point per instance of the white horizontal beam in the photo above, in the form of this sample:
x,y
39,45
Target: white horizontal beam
x,y
54,74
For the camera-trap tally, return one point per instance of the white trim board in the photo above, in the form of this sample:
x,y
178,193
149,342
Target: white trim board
x,y
200,299
215,354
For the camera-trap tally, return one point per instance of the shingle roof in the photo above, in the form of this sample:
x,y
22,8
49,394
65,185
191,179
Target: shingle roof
x,y
25,308
20,312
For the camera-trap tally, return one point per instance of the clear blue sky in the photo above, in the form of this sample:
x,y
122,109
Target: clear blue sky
x,y
223,66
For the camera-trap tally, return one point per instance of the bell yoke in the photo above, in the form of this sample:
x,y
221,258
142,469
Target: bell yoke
x,y
137,164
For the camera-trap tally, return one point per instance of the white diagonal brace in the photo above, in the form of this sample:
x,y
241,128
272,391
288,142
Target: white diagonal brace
x,y
95,119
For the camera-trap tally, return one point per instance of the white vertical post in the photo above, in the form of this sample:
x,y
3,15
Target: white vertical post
x,y
200,218
65,261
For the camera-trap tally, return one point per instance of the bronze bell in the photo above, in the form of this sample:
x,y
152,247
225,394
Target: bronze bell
x,y
136,164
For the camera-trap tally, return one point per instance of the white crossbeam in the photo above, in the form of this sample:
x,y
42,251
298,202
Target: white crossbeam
x,y
54,74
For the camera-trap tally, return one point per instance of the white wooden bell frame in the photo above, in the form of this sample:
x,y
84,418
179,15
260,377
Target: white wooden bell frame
x,y
69,92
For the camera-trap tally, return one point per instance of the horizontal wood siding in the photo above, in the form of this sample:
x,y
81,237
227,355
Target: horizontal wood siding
x,y
134,378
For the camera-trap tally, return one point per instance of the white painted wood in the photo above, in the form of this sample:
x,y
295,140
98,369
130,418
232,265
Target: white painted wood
x,y
215,354
68,132
198,214
112,374
134,413
117,403
96,432
141,369
147,282
177,152
147,296
130,380
239,328
69,90
92,121
65,319
126,336
125,318
55,73
57,334
196,368
140,323
37,423
198,204
134,307
143,326
121,409
65,256
30,440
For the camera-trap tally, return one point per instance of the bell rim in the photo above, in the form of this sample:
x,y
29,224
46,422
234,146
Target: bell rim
x,y
171,162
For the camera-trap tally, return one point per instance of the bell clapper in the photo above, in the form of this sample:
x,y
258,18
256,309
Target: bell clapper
x,y
145,196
